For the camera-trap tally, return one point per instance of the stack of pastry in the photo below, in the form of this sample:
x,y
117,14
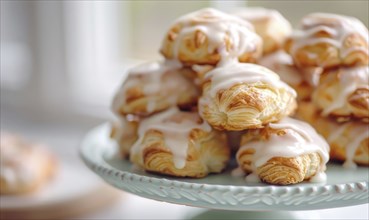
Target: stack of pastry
x,y
333,52
174,114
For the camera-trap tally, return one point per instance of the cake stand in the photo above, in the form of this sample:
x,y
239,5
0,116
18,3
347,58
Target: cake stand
x,y
224,191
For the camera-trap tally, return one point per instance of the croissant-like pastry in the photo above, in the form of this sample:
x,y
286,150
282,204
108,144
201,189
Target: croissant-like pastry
x,y
25,167
179,144
329,40
153,87
240,96
207,36
349,141
282,64
124,132
269,24
344,93
282,153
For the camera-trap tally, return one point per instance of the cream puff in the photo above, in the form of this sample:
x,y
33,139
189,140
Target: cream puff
x,y
209,36
344,93
282,64
286,152
179,144
329,40
349,141
154,87
239,96
269,24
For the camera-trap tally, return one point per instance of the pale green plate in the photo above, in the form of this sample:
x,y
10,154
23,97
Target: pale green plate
x,y
222,191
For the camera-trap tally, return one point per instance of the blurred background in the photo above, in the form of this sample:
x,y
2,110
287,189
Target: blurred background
x,y
61,61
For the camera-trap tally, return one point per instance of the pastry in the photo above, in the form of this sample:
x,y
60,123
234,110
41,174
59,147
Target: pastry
x,y
179,144
282,153
269,24
281,63
153,87
349,141
124,132
329,40
24,166
240,96
208,36
344,93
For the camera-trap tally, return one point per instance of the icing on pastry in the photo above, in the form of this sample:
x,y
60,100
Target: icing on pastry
x,y
269,24
217,26
357,133
175,126
350,80
299,139
232,73
337,26
282,64
155,79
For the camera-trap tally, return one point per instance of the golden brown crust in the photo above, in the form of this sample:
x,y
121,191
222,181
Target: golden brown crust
x,y
202,47
331,92
207,153
312,45
147,93
328,126
124,132
270,25
246,106
278,170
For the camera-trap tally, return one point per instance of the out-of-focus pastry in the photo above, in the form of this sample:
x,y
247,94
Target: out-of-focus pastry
x,y
349,141
239,96
24,166
179,144
153,87
344,93
269,24
329,40
282,64
124,132
208,36
282,153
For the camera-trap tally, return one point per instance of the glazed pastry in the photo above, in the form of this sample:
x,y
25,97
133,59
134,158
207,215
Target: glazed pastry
x,y
329,40
124,132
208,36
282,64
24,166
282,153
240,96
344,93
153,87
269,24
179,144
349,141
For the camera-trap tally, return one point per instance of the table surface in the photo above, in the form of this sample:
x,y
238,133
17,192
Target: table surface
x,y
64,139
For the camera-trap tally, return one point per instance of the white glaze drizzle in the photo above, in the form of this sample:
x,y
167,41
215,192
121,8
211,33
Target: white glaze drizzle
x,y
350,80
282,64
300,139
217,25
233,73
175,127
150,77
338,26
358,132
